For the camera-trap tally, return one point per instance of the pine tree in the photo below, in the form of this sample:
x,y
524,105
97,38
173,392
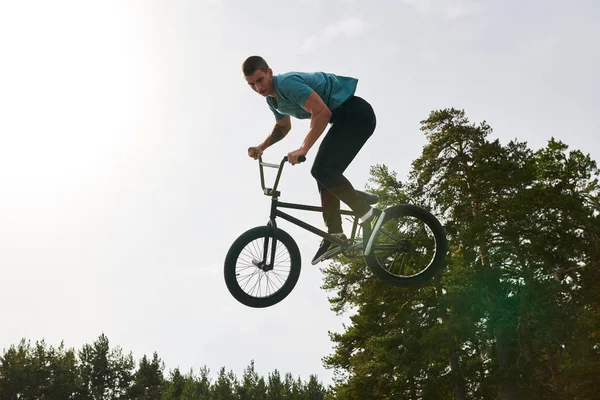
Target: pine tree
x,y
105,373
148,380
524,250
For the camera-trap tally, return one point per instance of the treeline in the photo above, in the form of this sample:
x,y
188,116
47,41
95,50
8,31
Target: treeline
x,y
98,372
516,313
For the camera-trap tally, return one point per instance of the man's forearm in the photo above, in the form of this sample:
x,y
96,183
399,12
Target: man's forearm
x,y
318,123
275,136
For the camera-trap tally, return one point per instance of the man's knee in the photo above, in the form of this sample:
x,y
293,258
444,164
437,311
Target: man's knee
x,y
326,176
318,172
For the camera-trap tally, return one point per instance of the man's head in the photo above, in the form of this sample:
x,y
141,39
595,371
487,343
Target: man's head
x,y
258,75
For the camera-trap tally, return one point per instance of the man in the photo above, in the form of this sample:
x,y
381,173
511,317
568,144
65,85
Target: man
x,y
325,99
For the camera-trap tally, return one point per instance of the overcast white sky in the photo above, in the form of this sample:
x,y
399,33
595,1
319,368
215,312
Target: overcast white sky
x,y
123,134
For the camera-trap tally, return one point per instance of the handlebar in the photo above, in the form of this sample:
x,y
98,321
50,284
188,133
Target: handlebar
x,y
280,165
273,191
300,159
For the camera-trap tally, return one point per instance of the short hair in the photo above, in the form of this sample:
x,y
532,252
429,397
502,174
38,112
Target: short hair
x,y
253,64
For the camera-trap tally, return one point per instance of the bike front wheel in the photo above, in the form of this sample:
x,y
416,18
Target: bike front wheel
x,y
251,277
410,247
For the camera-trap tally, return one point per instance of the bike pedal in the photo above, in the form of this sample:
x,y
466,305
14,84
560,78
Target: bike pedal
x,y
328,254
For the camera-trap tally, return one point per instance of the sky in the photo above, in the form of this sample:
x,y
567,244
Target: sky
x,y
124,126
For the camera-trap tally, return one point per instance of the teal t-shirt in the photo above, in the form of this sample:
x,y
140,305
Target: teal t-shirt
x,y
293,88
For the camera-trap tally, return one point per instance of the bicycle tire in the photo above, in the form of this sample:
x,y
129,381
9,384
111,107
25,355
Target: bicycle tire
x,y
437,262
232,260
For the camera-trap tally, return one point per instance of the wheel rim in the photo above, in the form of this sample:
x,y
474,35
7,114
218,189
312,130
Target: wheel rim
x,y
252,278
405,246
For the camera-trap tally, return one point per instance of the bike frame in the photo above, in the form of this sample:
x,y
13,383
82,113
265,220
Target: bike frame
x,y
276,212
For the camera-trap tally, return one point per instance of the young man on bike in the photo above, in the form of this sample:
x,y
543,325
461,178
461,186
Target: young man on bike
x,y
325,99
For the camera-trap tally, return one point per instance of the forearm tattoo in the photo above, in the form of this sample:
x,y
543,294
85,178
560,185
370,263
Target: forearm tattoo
x,y
277,134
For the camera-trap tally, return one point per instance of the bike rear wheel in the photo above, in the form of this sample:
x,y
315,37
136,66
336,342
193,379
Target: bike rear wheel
x,y
410,247
250,277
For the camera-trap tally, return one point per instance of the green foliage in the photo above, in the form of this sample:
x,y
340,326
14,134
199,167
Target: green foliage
x,y
37,372
514,315
105,373
148,380
524,253
99,372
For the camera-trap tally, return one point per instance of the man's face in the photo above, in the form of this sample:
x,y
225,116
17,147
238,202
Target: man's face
x,y
261,82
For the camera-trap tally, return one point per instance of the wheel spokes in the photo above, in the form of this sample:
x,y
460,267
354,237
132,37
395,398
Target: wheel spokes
x,y
255,275
405,246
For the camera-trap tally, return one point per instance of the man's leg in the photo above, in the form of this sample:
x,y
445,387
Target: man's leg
x,y
352,127
332,219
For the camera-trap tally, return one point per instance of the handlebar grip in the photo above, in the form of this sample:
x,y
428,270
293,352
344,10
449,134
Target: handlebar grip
x,y
300,159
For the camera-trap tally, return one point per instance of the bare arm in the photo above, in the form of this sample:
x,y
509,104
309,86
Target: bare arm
x,y
280,130
321,114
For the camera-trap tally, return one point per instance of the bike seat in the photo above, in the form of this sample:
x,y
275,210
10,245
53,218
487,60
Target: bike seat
x,y
369,197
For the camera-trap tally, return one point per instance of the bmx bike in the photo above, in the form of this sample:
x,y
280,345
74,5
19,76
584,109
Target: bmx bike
x,y
404,246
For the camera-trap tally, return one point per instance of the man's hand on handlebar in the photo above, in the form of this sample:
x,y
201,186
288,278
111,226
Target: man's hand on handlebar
x,y
255,151
293,156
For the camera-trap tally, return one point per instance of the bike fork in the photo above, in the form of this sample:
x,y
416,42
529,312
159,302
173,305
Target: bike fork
x,y
374,233
273,226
